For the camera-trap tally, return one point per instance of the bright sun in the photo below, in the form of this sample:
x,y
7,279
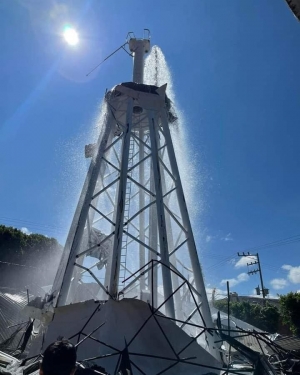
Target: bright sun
x,y
71,36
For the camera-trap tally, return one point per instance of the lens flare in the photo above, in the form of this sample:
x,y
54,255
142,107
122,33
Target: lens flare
x,y
70,35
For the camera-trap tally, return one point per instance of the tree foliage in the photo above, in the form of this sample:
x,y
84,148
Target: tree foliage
x,y
265,318
290,311
27,261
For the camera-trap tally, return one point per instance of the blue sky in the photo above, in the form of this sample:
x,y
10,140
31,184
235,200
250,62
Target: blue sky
x,y
235,67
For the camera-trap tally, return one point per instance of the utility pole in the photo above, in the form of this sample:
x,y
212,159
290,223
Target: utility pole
x,y
228,308
263,290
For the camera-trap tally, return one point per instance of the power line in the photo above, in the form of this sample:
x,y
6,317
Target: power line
x,y
224,260
284,241
30,222
270,267
32,226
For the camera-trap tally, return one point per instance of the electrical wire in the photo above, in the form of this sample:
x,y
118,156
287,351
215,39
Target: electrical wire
x,y
30,222
106,58
222,261
33,226
282,242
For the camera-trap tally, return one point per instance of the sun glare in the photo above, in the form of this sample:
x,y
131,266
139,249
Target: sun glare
x,y
71,36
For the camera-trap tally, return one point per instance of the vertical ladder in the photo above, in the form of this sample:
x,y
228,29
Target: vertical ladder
x,y
122,273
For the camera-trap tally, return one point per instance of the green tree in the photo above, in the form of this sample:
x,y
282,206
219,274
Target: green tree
x,y
269,318
265,318
290,311
27,261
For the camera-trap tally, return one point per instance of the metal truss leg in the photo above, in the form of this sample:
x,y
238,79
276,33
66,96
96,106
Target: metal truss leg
x,y
162,230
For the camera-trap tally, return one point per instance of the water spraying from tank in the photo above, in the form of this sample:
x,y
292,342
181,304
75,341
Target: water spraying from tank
x,y
131,245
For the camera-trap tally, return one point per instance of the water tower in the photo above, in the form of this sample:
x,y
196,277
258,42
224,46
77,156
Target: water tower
x,y
131,245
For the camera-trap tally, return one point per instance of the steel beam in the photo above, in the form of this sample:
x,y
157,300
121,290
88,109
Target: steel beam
x,y
116,252
199,281
64,275
162,230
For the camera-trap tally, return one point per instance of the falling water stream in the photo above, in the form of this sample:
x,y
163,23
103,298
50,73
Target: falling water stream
x,y
158,73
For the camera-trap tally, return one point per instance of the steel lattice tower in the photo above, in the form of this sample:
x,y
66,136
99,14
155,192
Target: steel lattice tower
x,y
131,233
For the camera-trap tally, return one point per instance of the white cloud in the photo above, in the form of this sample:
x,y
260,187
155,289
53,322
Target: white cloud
x,y
25,231
293,273
286,267
228,237
279,283
232,261
208,238
239,279
244,260
216,237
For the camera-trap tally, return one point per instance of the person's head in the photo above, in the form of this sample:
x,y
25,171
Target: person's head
x,y
59,359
